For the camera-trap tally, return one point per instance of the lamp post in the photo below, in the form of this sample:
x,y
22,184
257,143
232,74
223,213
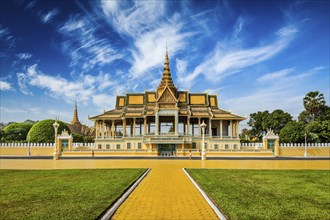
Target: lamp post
x,y
55,125
203,126
29,150
305,155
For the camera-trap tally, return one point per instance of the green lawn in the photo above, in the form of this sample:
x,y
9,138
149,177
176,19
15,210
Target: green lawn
x,y
267,194
61,194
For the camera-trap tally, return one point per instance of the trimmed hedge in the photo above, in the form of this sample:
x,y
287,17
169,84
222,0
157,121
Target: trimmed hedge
x,y
43,131
16,131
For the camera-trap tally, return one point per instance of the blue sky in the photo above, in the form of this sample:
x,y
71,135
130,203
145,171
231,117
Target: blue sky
x,y
256,55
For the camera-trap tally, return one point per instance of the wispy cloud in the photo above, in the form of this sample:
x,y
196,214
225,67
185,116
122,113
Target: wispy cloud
x,y
282,91
8,42
24,56
222,63
86,49
46,18
87,89
13,110
5,86
275,75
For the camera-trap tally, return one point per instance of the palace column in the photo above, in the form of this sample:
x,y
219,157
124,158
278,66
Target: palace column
x,y
102,129
124,127
176,120
237,128
113,129
134,126
231,129
156,122
97,128
188,125
210,127
199,127
220,128
145,125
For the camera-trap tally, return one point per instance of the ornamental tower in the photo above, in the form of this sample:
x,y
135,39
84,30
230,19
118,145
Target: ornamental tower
x,y
75,115
166,79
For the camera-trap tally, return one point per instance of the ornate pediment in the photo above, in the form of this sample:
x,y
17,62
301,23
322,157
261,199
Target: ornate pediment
x,y
167,96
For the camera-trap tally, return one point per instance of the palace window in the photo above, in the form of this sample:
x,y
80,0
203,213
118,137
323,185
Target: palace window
x,y
226,146
128,145
215,146
118,146
99,146
139,145
107,146
194,145
235,146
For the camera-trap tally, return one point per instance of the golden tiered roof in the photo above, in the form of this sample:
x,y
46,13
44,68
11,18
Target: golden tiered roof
x,y
137,105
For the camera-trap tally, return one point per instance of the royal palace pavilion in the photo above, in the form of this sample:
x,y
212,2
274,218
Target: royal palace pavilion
x,y
166,122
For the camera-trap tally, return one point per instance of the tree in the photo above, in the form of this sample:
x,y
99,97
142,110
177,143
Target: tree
x,y
277,120
313,102
318,131
258,122
16,131
43,131
262,121
78,138
293,132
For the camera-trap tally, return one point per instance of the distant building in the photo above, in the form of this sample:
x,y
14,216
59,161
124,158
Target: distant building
x,y
166,121
76,127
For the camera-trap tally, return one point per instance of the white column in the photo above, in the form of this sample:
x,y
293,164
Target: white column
x,y
176,121
97,127
102,129
231,128
113,129
220,128
199,127
124,127
188,125
145,126
237,128
134,126
210,127
156,122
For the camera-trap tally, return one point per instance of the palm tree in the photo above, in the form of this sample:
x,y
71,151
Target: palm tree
x,y
313,102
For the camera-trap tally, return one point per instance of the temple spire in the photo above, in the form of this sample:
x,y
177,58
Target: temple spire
x,y
166,77
75,114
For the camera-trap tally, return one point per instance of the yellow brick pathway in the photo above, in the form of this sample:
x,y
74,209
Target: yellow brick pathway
x,y
166,193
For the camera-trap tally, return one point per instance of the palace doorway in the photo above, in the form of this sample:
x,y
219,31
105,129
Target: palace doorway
x,y
167,149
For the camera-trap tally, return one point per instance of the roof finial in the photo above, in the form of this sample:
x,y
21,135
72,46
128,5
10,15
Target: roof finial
x,y
75,114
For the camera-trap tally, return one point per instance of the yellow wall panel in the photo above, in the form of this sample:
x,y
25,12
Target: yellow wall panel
x,y
151,98
121,102
135,100
182,97
212,101
197,99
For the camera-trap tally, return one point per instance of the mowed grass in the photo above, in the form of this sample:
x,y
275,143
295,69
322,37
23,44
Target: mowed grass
x,y
61,194
267,194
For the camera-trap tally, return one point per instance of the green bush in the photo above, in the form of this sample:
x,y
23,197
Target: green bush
x,y
16,131
43,131
89,139
78,138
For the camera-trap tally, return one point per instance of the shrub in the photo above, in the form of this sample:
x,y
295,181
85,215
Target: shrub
x,y
16,131
43,131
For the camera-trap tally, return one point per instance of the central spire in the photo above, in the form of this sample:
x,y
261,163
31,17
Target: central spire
x,y
75,114
166,78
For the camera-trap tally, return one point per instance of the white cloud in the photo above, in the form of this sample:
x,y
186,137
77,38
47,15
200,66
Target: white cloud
x,y
46,18
12,110
5,86
85,48
284,92
86,89
133,18
151,47
223,63
275,75
24,56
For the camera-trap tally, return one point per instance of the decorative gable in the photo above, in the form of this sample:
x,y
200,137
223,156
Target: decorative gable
x,y
167,96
